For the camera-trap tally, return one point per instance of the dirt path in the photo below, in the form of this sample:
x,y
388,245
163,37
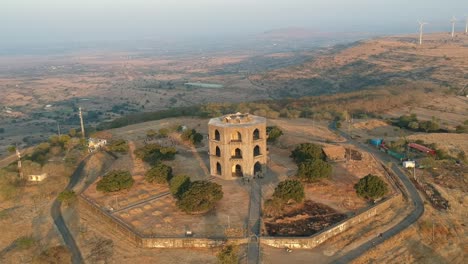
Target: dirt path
x,y
59,222
138,167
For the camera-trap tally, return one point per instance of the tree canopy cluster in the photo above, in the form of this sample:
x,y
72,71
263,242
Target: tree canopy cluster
x,y
115,180
228,255
118,145
153,153
371,187
160,174
411,122
192,136
311,162
274,133
289,190
197,196
201,196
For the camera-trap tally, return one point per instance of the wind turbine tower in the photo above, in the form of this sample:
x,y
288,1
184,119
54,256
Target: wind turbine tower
x,y
453,26
421,25
82,123
466,26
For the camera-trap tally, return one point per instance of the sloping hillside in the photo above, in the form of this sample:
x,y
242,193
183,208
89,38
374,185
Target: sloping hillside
x,y
397,60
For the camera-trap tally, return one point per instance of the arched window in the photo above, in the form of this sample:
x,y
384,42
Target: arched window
x,y
257,168
237,171
256,134
237,153
217,136
218,168
218,152
236,136
256,151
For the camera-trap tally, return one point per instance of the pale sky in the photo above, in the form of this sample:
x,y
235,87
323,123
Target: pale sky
x,y
27,21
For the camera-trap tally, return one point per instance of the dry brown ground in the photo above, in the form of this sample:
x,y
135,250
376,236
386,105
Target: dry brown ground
x,y
436,238
451,110
396,54
28,214
122,250
452,143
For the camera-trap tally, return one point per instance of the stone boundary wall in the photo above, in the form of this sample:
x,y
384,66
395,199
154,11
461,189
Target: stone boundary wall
x,y
155,242
322,236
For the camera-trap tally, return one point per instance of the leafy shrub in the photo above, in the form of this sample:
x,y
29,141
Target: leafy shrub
x,y
307,151
192,136
371,187
201,196
25,242
274,133
152,153
290,190
114,181
67,196
313,170
160,173
228,255
119,145
179,185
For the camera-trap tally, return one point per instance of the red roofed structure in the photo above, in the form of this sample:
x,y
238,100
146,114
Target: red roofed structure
x,y
422,148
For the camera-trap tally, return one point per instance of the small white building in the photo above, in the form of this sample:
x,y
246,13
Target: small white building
x,y
96,144
37,178
409,164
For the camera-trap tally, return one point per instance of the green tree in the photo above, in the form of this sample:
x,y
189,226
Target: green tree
x,y
11,149
313,170
274,133
151,133
67,196
178,185
371,187
290,190
153,153
115,180
228,255
429,126
307,151
200,197
160,173
25,242
72,132
163,132
461,129
192,136
413,125
119,145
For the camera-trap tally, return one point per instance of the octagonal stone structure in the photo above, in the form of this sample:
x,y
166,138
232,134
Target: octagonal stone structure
x,y
237,146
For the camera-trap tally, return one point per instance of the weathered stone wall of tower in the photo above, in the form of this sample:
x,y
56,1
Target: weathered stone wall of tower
x,y
237,146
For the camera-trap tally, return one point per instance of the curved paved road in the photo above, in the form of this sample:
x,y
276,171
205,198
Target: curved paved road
x,y
413,196
59,222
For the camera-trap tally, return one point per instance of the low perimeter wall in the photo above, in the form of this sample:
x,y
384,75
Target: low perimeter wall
x,y
279,242
156,242
319,238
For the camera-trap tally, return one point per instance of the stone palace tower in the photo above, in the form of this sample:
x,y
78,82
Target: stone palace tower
x,y
237,146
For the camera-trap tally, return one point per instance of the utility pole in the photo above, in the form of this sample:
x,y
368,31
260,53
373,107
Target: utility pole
x,y
82,123
20,169
58,128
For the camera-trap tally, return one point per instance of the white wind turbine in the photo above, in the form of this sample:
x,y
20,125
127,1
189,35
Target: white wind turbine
x,y
466,26
453,20
421,25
